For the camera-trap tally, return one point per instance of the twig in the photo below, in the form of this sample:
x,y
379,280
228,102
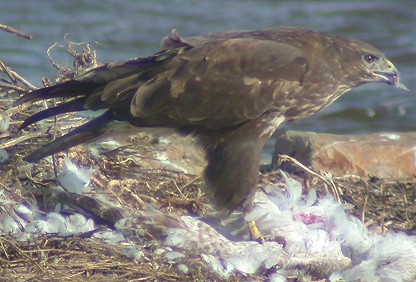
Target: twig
x,y
22,138
329,183
6,70
28,136
12,87
4,249
22,253
15,31
48,53
365,201
14,76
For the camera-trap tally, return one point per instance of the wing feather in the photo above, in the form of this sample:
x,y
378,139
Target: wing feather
x,y
221,83
215,81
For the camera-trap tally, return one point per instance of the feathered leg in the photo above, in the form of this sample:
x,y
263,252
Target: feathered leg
x,y
233,164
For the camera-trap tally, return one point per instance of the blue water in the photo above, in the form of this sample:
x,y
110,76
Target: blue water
x,y
127,29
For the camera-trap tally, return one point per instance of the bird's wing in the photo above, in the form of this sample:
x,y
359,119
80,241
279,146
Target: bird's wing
x,y
110,86
220,83
217,83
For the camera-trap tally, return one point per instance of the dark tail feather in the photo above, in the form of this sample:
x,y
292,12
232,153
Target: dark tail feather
x,y
95,78
71,88
85,132
71,106
98,77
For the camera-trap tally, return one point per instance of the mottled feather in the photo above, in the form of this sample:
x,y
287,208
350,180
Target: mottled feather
x,y
230,89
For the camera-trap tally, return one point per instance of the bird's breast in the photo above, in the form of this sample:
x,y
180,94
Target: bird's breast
x,y
307,100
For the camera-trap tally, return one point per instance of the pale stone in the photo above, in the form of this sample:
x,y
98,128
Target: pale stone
x,y
382,155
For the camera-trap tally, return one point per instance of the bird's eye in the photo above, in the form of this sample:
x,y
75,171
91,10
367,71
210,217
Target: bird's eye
x,y
370,58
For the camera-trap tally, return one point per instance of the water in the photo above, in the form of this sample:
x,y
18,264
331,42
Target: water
x,y
127,29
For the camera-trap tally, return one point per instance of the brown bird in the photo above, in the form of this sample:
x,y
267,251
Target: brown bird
x,y
230,89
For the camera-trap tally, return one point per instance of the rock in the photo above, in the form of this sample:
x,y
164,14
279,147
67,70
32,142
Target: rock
x,y
381,155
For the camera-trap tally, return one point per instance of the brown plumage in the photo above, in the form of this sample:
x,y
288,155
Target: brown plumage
x,y
230,89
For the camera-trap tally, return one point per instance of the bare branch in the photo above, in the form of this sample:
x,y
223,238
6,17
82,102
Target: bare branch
x,y
15,31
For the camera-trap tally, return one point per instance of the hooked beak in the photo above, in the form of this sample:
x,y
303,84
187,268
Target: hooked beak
x,y
390,77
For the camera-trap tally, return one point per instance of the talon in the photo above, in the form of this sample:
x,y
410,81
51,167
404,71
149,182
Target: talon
x,y
255,234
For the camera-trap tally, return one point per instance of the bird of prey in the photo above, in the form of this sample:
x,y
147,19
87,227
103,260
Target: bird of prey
x,y
230,89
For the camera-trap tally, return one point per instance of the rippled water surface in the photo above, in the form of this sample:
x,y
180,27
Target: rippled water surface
x,y
126,29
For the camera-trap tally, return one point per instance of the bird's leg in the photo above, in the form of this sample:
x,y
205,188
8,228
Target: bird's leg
x,y
255,234
233,158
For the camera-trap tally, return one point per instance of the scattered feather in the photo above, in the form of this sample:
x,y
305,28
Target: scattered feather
x,y
132,253
321,239
4,122
72,178
3,155
174,255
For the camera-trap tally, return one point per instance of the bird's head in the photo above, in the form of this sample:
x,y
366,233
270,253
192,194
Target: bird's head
x,y
367,64
378,68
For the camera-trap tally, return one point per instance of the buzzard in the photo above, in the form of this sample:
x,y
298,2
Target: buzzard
x,y
230,89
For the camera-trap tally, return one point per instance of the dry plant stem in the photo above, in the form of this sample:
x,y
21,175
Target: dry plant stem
x,y
135,197
326,180
48,53
23,81
22,253
18,110
15,31
22,138
28,136
190,182
7,71
14,87
406,215
365,201
4,250
14,76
